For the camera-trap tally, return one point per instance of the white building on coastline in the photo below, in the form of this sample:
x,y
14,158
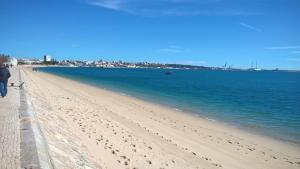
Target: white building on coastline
x,y
47,58
12,61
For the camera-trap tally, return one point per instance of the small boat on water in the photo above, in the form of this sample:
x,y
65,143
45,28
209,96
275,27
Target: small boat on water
x,y
168,73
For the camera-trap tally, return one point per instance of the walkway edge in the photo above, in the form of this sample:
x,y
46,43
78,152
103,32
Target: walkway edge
x,y
28,121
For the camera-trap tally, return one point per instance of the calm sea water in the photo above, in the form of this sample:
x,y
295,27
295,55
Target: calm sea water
x,y
264,102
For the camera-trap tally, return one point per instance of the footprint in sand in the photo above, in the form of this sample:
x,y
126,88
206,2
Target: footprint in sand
x,y
251,149
217,165
274,157
206,158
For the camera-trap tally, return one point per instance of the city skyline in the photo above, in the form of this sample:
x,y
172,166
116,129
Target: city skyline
x,y
205,32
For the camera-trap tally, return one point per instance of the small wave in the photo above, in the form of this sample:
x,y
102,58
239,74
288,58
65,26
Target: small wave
x,y
124,94
212,120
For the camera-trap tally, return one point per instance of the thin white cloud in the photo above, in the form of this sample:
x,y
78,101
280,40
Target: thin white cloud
x,y
110,4
174,49
250,27
282,47
168,7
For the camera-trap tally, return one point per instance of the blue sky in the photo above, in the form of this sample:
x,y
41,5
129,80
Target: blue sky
x,y
198,32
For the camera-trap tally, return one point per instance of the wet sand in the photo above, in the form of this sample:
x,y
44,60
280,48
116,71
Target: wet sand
x,y
89,127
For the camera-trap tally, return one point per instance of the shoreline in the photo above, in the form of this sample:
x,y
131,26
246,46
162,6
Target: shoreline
x,y
184,112
216,134
211,68
260,132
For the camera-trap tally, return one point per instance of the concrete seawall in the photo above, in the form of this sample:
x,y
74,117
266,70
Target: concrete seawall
x,y
33,146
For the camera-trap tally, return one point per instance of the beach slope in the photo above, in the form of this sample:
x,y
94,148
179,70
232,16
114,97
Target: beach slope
x,y
92,127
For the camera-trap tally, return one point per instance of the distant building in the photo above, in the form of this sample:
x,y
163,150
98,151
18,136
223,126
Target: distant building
x,y
29,61
12,61
47,58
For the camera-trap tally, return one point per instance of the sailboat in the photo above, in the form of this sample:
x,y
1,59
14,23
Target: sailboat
x,y
256,69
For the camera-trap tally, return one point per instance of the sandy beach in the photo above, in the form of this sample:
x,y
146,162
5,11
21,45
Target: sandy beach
x,y
89,127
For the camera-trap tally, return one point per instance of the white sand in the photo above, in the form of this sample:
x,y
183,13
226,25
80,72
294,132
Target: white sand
x,y
89,127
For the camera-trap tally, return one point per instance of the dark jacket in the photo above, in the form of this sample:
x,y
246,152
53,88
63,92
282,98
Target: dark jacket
x,y
4,74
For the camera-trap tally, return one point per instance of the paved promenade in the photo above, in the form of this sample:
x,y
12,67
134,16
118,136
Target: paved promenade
x,y
22,144
10,126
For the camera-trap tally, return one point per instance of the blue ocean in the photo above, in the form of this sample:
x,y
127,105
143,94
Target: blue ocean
x,y
264,102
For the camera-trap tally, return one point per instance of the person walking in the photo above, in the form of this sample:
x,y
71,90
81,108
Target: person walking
x,y
4,76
